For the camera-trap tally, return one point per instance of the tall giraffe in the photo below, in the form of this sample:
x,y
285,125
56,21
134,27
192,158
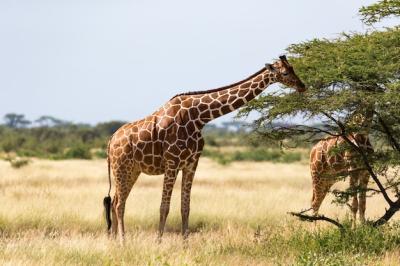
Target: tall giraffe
x,y
332,158
170,140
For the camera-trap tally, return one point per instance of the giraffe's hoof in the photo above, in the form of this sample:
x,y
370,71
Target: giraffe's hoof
x,y
185,234
185,243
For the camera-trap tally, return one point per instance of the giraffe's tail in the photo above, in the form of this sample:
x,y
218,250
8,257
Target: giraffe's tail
x,y
107,209
107,200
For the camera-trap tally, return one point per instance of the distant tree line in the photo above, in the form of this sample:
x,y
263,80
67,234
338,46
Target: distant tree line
x,y
53,138
49,137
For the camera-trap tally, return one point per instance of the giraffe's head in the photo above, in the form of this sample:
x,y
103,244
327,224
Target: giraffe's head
x,y
284,74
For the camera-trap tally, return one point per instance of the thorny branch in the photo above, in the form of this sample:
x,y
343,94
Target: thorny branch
x,y
388,132
312,218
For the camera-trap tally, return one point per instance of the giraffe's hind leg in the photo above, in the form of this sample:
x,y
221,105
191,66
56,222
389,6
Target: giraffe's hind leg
x,y
114,224
123,188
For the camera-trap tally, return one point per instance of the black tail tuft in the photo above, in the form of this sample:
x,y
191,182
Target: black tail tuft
x,y
107,208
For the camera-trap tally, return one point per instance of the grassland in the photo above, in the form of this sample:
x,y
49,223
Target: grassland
x,y
51,213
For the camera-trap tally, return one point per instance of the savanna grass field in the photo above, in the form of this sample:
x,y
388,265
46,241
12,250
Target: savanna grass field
x,y
51,213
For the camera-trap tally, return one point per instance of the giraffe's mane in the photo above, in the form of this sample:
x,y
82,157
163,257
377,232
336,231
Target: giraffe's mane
x,y
221,88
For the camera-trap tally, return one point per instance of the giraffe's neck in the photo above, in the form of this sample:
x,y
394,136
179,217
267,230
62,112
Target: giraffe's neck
x,y
215,103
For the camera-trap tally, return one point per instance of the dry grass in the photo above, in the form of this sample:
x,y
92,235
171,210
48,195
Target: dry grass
x,y
51,213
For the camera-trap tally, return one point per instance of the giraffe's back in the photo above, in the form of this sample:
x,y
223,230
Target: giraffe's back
x,y
327,158
332,157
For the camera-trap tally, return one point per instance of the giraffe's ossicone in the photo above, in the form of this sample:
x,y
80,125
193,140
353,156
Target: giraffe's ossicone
x,y
170,140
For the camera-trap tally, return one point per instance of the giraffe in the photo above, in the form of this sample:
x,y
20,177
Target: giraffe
x,y
332,158
170,140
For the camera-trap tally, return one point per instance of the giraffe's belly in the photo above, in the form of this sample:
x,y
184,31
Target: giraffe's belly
x,y
155,165
151,169
154,156
333,168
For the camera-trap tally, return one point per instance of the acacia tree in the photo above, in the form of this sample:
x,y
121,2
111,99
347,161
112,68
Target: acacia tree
x,y
16,120
48,121
345,76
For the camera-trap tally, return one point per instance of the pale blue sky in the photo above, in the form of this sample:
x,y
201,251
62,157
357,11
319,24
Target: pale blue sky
x,y
91,60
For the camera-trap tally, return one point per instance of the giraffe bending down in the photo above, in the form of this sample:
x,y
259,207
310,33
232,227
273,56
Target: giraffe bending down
x,y
331,158
170,140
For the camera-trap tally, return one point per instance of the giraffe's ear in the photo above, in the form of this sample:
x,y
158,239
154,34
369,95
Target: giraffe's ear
x,y
270,67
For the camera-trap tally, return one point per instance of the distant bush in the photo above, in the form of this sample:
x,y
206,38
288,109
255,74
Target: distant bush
x,y
211,141
12,143
255,155
100,153
217,156
17,162
78,152
291,157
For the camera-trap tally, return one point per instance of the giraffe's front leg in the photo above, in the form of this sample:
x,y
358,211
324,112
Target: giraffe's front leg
x,y
362,198
354,204
169,181
187,180
321,187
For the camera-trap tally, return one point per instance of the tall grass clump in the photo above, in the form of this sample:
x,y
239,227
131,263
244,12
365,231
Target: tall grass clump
x,y
330,247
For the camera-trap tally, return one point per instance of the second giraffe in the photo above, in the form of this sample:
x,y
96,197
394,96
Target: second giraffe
x,y
331,159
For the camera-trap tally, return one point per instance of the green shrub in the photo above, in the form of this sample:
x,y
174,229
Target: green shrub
x,y
100,153
216,156
28,153
291,157
18,162
255,155
78,152
211,141
12,143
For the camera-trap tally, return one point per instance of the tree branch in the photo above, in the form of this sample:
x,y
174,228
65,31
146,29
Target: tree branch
x,y
388,132
388,214
310,218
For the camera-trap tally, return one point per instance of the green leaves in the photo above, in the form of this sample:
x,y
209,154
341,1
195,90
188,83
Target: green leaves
x,y
376,12
341,74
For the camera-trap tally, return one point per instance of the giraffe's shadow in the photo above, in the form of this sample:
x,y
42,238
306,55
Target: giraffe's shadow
x,y
174,225
197,226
